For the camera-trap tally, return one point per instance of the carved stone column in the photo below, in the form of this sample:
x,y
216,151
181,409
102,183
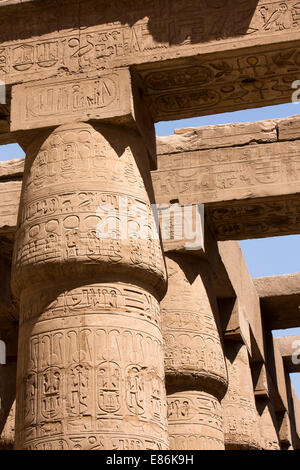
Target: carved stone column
x,y
268,424
90,371
239,411
196,376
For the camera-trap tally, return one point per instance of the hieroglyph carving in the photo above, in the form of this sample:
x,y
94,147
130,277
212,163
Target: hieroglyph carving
x,y
194,359
192,342
195,421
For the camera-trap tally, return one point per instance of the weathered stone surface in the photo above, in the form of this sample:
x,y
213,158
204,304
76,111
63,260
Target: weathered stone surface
x,y
289,347
7,437
280,300
239,412
249,183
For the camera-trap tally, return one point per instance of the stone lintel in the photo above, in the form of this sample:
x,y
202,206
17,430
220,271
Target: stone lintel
x,y
289,347
280,300
182,228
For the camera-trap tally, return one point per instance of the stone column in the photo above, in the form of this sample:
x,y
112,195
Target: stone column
x,y
9,335
267,424
239,411
196,376
90,370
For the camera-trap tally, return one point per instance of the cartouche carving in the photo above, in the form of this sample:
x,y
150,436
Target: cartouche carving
x,y
196,376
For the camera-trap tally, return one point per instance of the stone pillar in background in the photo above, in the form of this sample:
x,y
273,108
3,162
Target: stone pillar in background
x,y
239,411
8,334
90,369
196,376
7,405
267,424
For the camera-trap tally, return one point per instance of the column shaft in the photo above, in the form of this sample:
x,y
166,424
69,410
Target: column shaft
x,y
196,376
240,415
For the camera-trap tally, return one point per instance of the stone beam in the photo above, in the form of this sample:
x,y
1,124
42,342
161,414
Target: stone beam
x,y
280,300
181,51
289,347
247,175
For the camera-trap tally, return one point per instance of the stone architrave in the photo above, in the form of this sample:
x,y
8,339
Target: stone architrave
x,y
239,412
89,272
196,376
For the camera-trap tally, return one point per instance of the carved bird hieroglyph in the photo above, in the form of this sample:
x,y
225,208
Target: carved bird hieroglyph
x,y
277,18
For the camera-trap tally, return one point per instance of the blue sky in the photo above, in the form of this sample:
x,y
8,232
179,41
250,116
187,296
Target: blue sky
x,y
264,257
